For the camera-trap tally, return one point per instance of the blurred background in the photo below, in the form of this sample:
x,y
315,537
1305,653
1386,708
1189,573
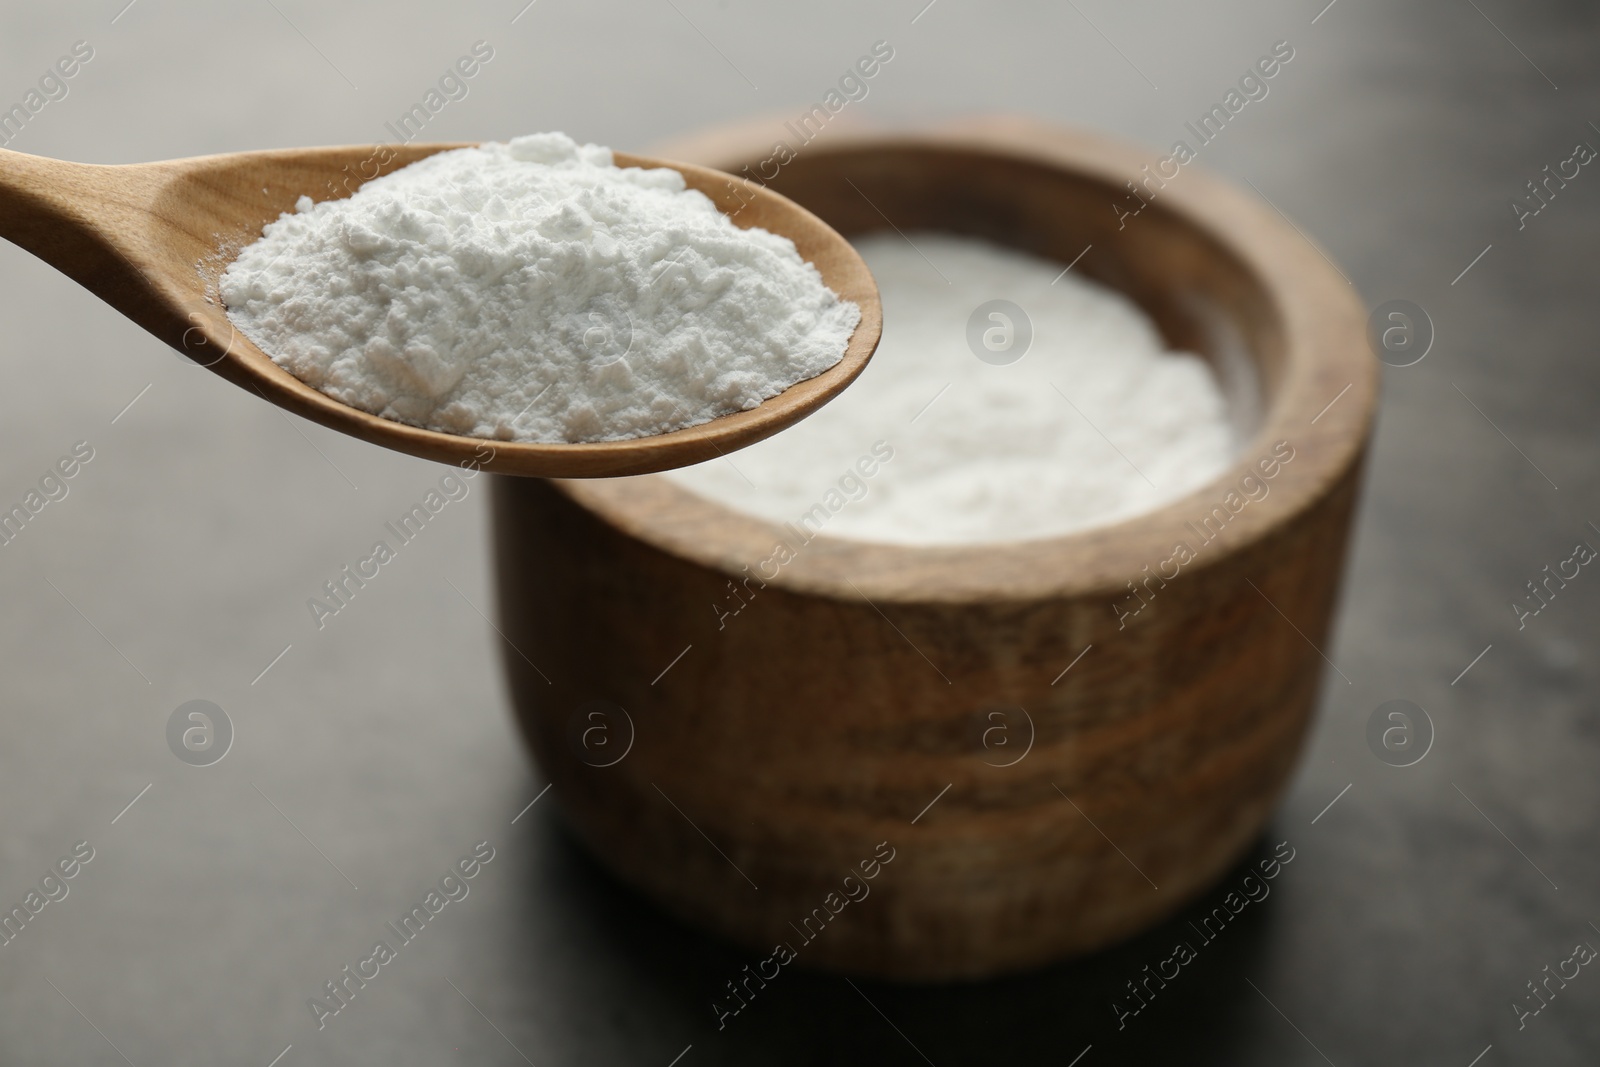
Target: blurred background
x,y
371,755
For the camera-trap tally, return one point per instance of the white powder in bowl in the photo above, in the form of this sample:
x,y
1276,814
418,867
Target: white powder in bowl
x,y
1095,423
534,291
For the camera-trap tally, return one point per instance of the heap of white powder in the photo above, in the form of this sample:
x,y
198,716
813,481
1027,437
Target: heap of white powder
x,y
1095,423
534,291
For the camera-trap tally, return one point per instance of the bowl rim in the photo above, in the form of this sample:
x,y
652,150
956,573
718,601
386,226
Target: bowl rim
x,y
1323,406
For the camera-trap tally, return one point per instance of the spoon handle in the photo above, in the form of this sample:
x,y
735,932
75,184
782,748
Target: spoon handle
x,y
92,223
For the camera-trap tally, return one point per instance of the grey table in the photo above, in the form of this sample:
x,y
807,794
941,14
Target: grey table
x,y
373,753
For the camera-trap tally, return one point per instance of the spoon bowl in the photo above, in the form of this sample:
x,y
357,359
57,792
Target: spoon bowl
x,y
153,239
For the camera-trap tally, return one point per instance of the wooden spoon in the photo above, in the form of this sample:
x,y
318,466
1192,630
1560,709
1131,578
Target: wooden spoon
x,y
152,239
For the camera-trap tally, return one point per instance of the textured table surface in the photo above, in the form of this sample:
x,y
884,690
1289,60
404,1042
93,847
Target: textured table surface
x,y
371,755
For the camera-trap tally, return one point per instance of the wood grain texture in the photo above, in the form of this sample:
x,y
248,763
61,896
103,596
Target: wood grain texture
x,y
856,685
152,240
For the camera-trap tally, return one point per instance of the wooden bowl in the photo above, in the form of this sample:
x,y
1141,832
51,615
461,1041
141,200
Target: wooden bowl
x,y
740,773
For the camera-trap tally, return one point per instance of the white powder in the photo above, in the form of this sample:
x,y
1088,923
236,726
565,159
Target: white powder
x,y
1001,454
534,291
